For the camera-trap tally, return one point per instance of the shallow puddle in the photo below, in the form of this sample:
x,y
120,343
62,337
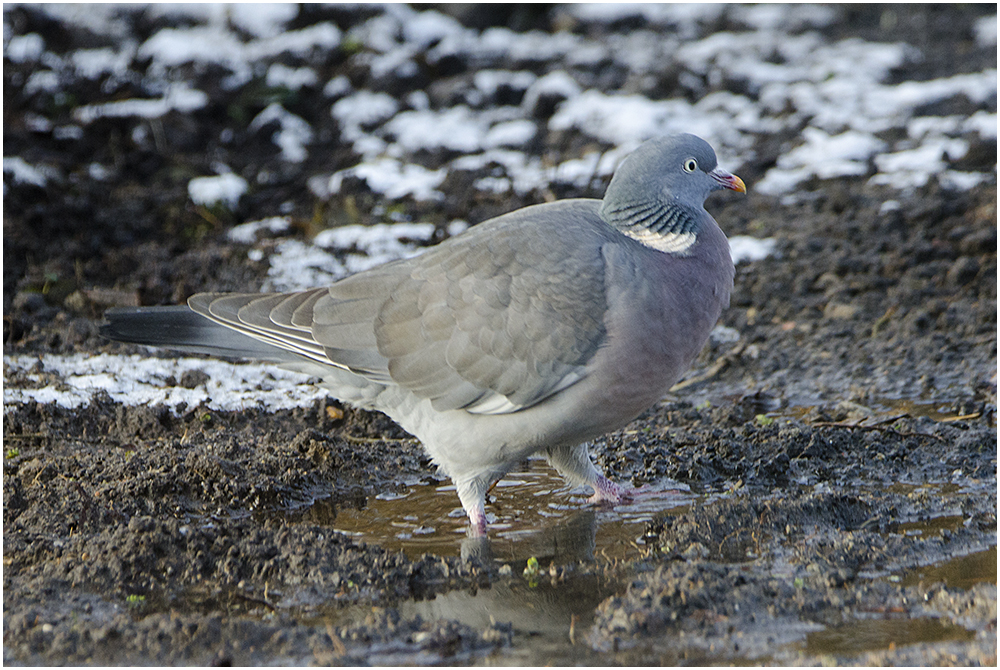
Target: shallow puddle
x,y
883,409
531,512
555,614
962,572
930,527
873,634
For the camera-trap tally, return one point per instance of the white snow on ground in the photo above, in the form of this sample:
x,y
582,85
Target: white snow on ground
x,y
246,233
178,97
851,120
22,172
392,178
225,189
744,248
135,380
797,77
295,265
295,133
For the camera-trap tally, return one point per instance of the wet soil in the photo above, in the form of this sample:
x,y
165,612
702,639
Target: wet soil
x,y
834,468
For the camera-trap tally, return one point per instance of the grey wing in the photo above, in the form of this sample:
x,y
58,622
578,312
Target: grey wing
x,y
499,321
302,322
490,323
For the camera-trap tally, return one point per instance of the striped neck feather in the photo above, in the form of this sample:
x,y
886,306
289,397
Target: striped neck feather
x,y
666,227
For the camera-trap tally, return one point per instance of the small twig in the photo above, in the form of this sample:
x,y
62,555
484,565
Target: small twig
x,y
962,417
257,601
370,440
27,436
870,426
876,426
718,366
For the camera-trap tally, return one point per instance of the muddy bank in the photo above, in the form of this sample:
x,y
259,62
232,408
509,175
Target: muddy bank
x,y
822,483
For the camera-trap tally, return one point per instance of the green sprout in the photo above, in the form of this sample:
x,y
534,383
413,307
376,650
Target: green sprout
x,y
532,572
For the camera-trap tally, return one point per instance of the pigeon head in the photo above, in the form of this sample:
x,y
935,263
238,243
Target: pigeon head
x,y
657,194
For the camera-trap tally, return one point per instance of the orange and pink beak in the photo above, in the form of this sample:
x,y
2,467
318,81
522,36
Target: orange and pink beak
x,y
728,180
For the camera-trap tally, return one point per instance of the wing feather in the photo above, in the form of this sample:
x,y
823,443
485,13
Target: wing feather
x,y
493,321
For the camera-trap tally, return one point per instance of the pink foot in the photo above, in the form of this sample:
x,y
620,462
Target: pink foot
x,y
477,522
606,490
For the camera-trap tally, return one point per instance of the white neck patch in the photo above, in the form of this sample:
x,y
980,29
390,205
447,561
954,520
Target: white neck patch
x,y
668,243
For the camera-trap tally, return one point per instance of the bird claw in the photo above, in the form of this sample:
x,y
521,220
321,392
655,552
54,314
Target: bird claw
x,y
477,523
606,490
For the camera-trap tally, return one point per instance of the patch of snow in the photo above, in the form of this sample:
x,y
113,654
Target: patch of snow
x,y
457,227
22,172
428,27
45,81
179,97
724,334
488,81
24,48
913,167
98,18
292,78
262,19
889,206
745,248
632,119
293,135
983,123
985,30
896,103
557,83
526,172
215,44
98,172
246,233
67,132
136,380
378,244
171,47
92,63
961,181
456,128
37,123
790,17
824,156
323,37
497,185
510,134
394,179
359,111
296,265
684,17
226,189
337,87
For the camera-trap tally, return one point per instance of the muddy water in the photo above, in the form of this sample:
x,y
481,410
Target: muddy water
x,y
532,513
961,573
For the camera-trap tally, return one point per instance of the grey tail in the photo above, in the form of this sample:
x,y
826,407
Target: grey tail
x,y
180,329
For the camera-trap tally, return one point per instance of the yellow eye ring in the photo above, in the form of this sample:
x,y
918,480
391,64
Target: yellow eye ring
x,y
690,165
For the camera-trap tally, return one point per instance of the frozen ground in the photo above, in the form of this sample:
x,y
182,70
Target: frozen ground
x,y
151,153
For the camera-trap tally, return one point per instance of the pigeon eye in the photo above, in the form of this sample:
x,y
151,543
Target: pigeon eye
x,y
690,165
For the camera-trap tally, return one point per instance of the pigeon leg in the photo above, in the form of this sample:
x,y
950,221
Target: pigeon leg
x,y
477,521
606,490
472,493
574,464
